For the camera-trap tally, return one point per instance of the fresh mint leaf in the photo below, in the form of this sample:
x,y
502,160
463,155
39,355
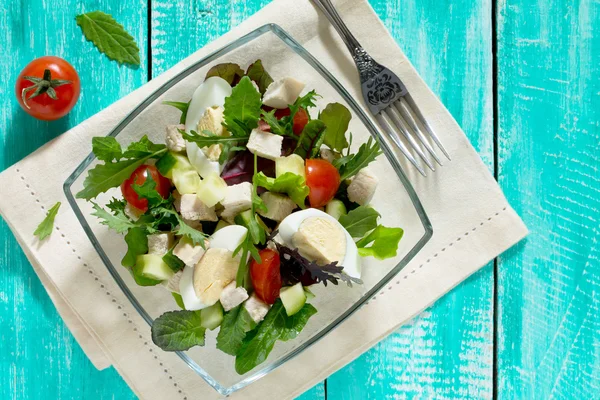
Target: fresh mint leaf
x,y
289,183
366,154
360,221
231,72
383,243
311,139
137,244
242,109
178,331
116,221
256,71
173,261
109,37
337,118
181,106
44,229
106,148
237,322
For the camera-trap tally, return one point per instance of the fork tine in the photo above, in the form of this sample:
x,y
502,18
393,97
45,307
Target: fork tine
x,y
412,106
402,107
392,134
392,113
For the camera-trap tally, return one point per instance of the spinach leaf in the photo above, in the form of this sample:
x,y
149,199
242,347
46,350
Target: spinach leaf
x,y
337,118
360,221
236,324
178,330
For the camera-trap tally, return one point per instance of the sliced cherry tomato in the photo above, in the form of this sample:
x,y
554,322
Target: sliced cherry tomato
x,y
48,88
266,276
300,118
323,180
163,186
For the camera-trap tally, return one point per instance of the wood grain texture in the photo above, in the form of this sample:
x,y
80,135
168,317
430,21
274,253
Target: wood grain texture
x,y
549,168
447,351
38,356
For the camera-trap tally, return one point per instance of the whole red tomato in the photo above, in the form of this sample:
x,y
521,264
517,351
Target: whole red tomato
x,y
266,276
48,88
138,177
323,180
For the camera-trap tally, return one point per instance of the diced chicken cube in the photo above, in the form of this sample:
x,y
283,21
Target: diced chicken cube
x,y
278,206
232,296
193,209
188,253
174,139
328,155
172,285
363,186
159,243
283,92
265,144
237,199
256,308
132,212
197,225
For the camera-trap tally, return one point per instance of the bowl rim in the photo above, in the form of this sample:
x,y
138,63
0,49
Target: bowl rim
x,y
358,111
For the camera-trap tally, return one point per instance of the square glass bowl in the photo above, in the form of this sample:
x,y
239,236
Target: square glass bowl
x,y
395,199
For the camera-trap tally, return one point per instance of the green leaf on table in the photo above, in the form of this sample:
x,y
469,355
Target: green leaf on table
x,y
289,183
311,139
383,243
242,109
181,106
256,71
337,118
231,72
350,165
117,220
106,148
109,37
137,244
359,221
44,229
237,322
178,330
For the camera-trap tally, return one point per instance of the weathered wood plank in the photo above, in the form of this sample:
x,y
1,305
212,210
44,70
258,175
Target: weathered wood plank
x,y
549,136
446,352
39,357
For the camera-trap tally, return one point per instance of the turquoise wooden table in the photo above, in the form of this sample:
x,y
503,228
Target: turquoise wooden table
x,y
521,78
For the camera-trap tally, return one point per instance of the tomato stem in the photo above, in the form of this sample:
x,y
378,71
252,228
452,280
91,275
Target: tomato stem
x,y
42,85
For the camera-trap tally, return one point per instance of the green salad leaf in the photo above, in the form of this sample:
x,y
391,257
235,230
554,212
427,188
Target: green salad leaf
x,y
277,127
237,322
258,74
289,183
137,244
231,72
147,190
109,37
311,139
337,118
182,229
242,109
143,148
44,229
359,221
350,165
181,106
178,300
106,148
178,330
116,205
307,101
383,242
117,220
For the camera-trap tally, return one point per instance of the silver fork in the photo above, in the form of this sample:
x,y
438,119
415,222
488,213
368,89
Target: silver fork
x,y
388,99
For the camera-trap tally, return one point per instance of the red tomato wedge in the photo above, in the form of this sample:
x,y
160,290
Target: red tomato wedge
x,y
266,276
300,118
323,180
163,186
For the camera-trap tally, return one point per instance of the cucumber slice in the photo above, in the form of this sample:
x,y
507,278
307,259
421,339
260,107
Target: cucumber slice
x,y
309,295
221,224
172,161
152,266
186,181
293,298
245,217
212,190
211,317
336,208
292,163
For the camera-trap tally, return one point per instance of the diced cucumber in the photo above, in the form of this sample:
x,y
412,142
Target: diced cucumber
x,y
221,224
309,295
186,181
245,217
292,163
212,190
293,298
336,208
152,266
173,261
172,161
211,317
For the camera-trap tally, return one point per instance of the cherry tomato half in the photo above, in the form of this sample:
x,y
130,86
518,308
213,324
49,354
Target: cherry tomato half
x,y
300,119
48,88
163,186
266,277
323,180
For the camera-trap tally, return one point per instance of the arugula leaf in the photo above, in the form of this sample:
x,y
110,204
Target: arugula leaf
x,y
360,221
276,126
178,330
276,326
173,261
242,109
231,72
307,101
178,300
337,118
109,37
137,244
116,221
236,324
258,74
208,138
367,153
147,190
44,229
106,148
181,106
289,183
311,139
384,243
183,229
142,148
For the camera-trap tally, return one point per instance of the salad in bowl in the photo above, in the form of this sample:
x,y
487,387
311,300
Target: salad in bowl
x,y
253,197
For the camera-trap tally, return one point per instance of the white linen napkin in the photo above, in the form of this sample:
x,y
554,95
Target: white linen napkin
x,y
472,223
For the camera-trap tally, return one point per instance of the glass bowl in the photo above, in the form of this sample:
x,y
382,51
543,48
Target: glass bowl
x,y
395,199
